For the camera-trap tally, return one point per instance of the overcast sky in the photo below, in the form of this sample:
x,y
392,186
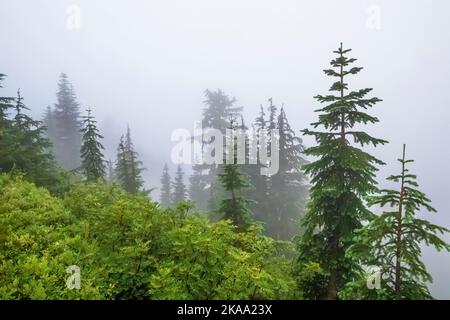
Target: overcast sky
x,y
147,63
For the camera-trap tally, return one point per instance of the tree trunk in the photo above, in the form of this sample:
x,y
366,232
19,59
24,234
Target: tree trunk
x,y
398,295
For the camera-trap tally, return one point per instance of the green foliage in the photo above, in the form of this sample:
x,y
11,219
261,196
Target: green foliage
x,y
391,242
24,147
214,262
127,247
125,229
235,207
312,281
340,177
36,246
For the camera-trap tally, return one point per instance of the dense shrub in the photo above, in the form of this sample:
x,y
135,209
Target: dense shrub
x,y
127,247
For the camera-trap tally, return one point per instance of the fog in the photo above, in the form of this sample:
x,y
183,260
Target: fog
x,y
147,64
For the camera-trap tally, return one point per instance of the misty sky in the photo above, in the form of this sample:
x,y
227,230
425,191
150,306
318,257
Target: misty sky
x,y
147,63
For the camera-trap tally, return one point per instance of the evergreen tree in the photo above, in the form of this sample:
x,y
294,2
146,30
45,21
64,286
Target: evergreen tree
x,y
5,103
235,207
6,137
21,120
272,121
279,199
166,188
233,181
129,167
259,193
31,155
204,188
123,173
23,146
288,190
67,138
135,165
92,162
219,109
179,188
391,242
340,177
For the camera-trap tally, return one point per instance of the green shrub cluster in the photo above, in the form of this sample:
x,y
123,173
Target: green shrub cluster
x,y
127,247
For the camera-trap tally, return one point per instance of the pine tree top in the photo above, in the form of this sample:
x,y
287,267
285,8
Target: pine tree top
x,y
219,107
5,102
129,167
21,120
67,106
410,197
344,109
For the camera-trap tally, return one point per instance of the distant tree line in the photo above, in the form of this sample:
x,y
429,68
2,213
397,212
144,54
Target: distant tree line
x,y
277,201
76,143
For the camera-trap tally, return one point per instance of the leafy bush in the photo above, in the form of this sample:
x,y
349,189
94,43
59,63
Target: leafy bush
x,y
127,247
36,247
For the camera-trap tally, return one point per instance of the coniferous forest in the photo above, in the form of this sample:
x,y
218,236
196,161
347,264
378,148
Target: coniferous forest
x,y
302,214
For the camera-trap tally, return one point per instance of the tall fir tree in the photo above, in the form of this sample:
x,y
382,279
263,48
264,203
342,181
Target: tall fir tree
x,y
129,167
391,243
23,146
31,154
92,159
6,136
204,188
5,103
341,176
235,206
278,199
288,187
122,171
273,110
179,188
166,188
21,120
135,165
219,108
66,137
260,191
